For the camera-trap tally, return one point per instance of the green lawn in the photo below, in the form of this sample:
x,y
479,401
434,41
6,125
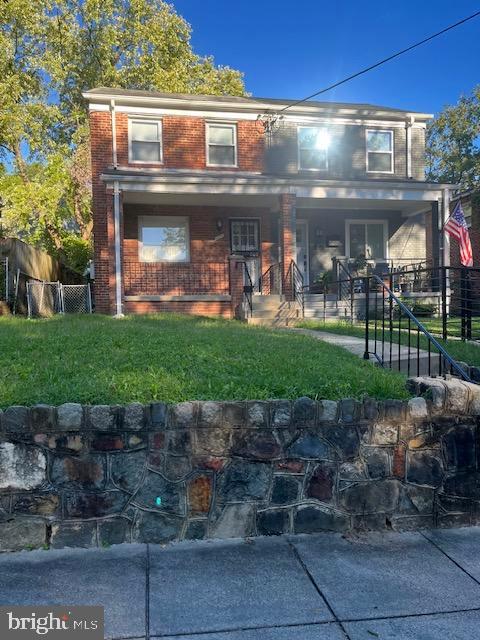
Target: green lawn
x,y
97,359
461,351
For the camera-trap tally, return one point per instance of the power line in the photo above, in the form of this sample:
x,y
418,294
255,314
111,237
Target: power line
x,y
378,64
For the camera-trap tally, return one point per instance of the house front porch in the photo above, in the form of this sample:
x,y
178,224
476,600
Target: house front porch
x,y
197,245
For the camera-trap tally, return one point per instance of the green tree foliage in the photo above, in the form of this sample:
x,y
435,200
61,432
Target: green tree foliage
x,y
453,143
50,52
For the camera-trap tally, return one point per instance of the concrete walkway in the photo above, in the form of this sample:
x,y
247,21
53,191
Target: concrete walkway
x,y
323,587
357,346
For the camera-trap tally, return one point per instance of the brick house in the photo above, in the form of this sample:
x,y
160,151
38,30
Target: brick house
x,y
186,188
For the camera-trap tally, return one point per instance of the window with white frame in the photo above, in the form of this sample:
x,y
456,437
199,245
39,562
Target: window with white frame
x,y
366,239
244,236
313,143
163,239
145,141
221,144
379,151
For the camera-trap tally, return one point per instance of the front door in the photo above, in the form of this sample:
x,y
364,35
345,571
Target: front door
x,y
302,250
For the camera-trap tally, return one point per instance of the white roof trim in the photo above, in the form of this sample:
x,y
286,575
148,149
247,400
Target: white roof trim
x,y
252,106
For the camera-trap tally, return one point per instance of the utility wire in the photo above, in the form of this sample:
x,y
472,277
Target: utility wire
x,y
377,64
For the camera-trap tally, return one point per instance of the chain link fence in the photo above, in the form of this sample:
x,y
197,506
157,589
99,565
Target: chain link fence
x,y
45,299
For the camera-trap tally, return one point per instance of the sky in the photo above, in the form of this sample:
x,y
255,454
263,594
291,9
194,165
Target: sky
x,y
292,49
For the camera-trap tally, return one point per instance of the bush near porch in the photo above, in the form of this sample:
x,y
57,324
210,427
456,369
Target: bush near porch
x,y
171,358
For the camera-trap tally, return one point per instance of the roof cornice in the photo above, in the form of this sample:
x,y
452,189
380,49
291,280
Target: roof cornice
x,y
252,105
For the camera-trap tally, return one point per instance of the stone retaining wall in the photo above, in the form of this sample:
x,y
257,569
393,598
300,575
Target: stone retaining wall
x,y
99,475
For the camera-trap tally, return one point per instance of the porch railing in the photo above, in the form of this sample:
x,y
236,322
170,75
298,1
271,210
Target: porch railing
x,y
247,291
270,282
293,286
190,278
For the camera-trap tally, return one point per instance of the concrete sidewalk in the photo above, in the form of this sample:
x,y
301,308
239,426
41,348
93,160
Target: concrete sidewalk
x,y
403,586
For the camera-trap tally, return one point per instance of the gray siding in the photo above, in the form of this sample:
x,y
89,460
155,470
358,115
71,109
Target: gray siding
x,y
346,155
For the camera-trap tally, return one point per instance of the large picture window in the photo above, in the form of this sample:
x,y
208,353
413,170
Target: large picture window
x,y
367,239
145,141
163,239
313,145
221,144
379,151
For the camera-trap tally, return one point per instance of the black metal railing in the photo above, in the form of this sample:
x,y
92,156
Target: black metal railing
x,y
294,286
270,282
247,291
397,339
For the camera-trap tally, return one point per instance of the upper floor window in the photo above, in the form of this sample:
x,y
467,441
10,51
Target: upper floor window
x,y
379,151
163,239
145,141
313,143
221,144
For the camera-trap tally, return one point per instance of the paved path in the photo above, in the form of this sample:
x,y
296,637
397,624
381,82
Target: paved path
x,y
322,587
357,346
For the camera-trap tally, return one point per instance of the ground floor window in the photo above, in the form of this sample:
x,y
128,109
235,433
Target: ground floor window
x,y
366,238
244,236
163,239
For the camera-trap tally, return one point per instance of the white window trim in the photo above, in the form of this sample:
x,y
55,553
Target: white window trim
x,y
366,221
159,221
392,152
299,165
160,140
230,124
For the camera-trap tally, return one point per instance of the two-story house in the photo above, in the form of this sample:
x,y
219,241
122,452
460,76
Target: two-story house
x,y
181,183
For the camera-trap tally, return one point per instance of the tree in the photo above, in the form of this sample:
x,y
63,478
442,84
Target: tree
x,y
453,143
50,52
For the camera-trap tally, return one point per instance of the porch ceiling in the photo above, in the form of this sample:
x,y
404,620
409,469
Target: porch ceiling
x,y
269,201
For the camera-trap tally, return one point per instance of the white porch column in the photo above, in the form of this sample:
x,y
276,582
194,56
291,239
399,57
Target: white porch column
x,y
118,250
442,220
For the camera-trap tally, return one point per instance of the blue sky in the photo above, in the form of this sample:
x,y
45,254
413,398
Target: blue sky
x,y
291,49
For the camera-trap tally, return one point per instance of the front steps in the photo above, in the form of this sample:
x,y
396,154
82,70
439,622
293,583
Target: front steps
x,y
274,311
328,308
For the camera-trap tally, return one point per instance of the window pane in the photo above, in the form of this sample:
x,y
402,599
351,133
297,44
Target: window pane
x,y
357,240
313,159
379,141
147,131
375,247
167,243
307,137
379,162
146,151
244,235
220,135
221,155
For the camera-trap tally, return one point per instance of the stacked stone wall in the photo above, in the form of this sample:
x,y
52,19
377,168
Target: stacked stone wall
x,y
84,476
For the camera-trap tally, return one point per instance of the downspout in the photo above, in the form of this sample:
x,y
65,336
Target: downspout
x,y
114,134
408,126
116,218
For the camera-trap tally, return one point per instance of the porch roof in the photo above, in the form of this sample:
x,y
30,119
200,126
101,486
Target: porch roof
x,y
222,188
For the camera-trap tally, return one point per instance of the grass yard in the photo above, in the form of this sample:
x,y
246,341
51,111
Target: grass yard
x,y
97,359
462,351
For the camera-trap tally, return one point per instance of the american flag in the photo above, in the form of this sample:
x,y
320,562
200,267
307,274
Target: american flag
x,y
456,227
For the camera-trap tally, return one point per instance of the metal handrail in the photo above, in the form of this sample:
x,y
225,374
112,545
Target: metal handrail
x,y
420,328
248,289
295,276
271,280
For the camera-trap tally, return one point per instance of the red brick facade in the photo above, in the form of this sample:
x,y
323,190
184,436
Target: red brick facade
x,y
183,147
